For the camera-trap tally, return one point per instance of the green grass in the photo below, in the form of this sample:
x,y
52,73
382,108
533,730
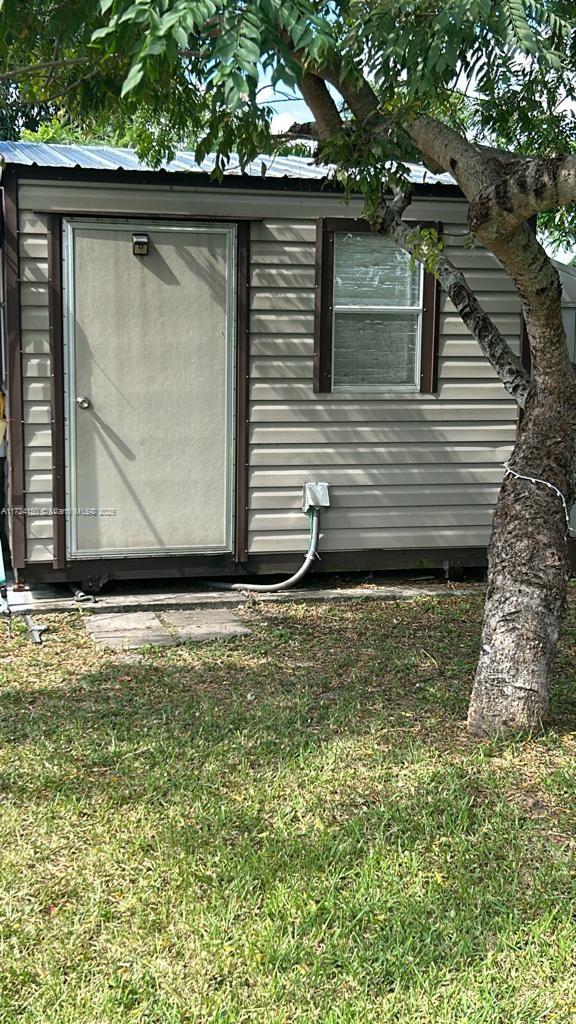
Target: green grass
x,y
288,827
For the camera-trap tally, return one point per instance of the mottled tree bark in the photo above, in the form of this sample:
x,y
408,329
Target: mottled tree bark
x,y
527,575
528,557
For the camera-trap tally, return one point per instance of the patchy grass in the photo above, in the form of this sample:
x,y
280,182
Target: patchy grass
x,y
289,827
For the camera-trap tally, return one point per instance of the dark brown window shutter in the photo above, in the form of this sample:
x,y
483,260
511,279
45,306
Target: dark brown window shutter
x,y
323,307
430,329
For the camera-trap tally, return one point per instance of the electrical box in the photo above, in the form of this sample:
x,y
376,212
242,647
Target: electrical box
x,y
315,495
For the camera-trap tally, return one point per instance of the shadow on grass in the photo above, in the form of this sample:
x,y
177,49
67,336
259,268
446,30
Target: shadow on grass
x,y
302,807
268,701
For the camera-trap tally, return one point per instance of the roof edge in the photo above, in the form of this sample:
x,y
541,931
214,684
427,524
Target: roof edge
x,y
203,180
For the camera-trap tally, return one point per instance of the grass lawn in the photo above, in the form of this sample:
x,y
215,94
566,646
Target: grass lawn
x,y
288,827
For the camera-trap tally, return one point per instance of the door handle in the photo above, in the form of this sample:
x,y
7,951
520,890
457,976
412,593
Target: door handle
x,y
82,402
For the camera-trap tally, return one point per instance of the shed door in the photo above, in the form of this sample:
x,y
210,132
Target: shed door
x,y
149,389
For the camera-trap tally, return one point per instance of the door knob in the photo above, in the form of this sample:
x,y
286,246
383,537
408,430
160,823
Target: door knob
x,y
82,402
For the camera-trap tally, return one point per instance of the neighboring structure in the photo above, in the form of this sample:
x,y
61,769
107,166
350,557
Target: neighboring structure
x,y
568,279
182,356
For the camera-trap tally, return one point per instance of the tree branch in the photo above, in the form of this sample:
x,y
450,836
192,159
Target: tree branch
x,y
451,151
530,187
359,95
326,114
49,66
538,284
504,190
308,130
473,165
503,360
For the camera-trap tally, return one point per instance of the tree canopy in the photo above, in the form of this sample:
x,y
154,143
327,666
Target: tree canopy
x,y
200,73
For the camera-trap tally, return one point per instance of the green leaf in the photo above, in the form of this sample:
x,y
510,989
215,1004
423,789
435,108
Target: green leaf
x,y
225,46
133,78
137,12
302,36
554,60
154,48
102,33
180,36
249,50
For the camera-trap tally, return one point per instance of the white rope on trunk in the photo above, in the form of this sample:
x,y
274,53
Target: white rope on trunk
x,y
538,480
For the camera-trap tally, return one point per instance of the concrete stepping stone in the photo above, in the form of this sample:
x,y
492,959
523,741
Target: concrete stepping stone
x,y
204,624
129,630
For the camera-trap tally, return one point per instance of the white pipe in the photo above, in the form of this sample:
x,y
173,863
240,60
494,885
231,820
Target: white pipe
x,y
270,588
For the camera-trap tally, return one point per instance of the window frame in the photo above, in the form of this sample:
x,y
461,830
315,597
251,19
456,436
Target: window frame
x,y
326,229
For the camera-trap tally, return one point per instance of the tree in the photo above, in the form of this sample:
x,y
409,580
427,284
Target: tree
x,y
17,116
484,91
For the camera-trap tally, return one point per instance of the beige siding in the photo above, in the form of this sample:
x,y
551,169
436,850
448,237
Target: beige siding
x,y
300,390
38,550
406,471
36,381
390,538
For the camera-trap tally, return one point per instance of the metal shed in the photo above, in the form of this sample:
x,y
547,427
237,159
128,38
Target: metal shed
x,y
181,355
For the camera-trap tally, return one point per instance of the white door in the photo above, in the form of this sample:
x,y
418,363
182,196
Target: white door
x,y
149,387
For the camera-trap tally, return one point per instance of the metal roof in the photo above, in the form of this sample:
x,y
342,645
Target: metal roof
x,y
111,158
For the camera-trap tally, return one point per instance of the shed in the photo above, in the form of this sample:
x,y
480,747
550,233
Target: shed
x,y
182,355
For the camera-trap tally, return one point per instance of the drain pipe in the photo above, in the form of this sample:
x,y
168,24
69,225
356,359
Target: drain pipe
x,y
315,496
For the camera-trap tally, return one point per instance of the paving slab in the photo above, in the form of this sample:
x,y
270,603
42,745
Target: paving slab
x,y
127,630
124,631
204,624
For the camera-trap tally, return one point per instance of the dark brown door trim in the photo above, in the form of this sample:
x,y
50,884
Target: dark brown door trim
x,y
57,387
242,392
13,349
242,383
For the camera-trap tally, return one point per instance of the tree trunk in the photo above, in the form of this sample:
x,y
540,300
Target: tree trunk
x,y
527,571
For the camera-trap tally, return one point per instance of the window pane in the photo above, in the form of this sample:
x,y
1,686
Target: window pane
x,y
374,349
371,271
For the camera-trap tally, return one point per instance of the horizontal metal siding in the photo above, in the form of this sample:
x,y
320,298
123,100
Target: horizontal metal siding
x,y
36,370
359,539
374,433
406,471
299,390
380,498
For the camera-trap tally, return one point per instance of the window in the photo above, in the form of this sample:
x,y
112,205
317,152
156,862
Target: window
x,y
376,315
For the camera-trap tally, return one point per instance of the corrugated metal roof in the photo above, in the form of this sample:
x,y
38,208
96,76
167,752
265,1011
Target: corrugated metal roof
x,y
110,158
